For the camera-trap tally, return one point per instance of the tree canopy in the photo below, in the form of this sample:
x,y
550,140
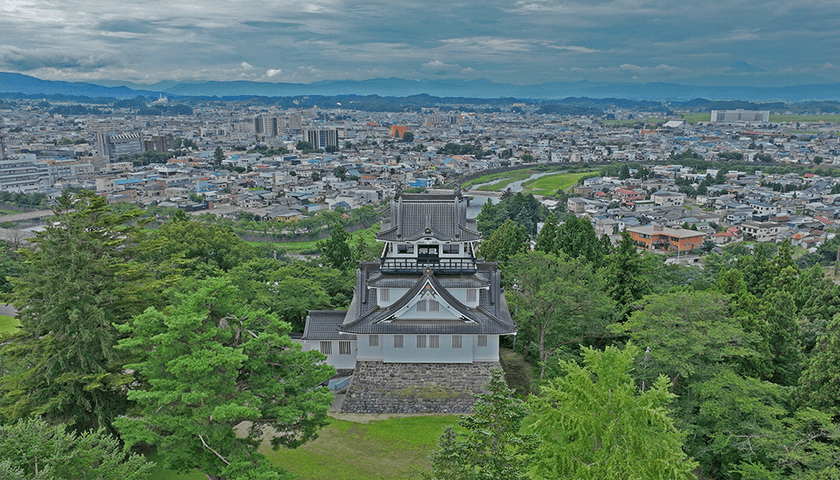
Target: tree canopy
x,y
593,423
210,362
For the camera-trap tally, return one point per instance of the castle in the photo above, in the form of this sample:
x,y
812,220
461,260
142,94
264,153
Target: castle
x,y
422,331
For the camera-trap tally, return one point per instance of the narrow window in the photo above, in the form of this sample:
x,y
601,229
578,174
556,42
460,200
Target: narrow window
x,y
450,248
373,340
471,295
421,341
456,341
434,306
421,306
326,348
434,341
384,295
398,341
344,347
482,340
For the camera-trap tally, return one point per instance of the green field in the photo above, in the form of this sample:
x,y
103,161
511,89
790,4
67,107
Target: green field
x,y
550,184
696,117
384,449
805,118
8,324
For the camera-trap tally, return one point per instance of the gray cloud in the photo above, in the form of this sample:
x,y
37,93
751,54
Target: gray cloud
x,y
527,41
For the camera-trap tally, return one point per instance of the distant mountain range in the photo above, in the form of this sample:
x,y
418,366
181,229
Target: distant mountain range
x,y
397,87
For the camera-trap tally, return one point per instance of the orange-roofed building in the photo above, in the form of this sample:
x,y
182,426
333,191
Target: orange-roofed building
x,y
398,130
656,237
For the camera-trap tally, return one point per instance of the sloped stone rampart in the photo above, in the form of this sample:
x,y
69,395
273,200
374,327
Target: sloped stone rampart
x,y
379,387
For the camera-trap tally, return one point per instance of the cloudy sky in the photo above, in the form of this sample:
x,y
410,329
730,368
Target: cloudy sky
x,y
731,42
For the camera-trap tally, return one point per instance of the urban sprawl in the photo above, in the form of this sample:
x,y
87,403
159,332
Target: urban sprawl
x,y
273,164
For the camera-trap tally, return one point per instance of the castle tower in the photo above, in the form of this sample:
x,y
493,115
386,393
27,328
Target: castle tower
x,y
424,324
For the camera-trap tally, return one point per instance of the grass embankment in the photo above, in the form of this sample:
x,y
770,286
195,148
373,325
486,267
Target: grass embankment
x,y
546,185
8,324
506,177
550,184
309,247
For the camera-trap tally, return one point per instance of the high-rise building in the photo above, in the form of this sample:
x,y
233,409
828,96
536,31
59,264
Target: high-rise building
x,y
266,126
116,145
321,138
292,122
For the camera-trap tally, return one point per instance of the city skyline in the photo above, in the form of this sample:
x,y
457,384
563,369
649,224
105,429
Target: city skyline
x,y
525,42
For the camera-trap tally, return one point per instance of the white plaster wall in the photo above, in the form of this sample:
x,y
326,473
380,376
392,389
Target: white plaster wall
x,y
411,354
490,353
335,359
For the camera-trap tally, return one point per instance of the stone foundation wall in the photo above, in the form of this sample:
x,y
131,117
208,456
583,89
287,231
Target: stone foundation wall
x,y
379,387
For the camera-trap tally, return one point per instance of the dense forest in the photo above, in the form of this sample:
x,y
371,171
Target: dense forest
x,y
136,340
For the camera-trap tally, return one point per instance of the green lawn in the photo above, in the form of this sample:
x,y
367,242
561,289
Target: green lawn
x,y
394,448
549,184
385,449
8,324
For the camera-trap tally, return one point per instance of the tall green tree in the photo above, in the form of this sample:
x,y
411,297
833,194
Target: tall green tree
x,y
84,278
819,385
35,450
685,335
508,240
558,301
576,237
626,275
199,249
335,251
492,445
783,337
593,423
211,362
744,430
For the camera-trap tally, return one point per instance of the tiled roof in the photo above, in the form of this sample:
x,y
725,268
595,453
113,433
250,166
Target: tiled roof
x,y
323,325
488,318
414,216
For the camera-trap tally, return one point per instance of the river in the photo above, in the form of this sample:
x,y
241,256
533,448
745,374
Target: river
x,y
478,201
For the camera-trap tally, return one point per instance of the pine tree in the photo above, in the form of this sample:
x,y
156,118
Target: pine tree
x,y
84,279
492,446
